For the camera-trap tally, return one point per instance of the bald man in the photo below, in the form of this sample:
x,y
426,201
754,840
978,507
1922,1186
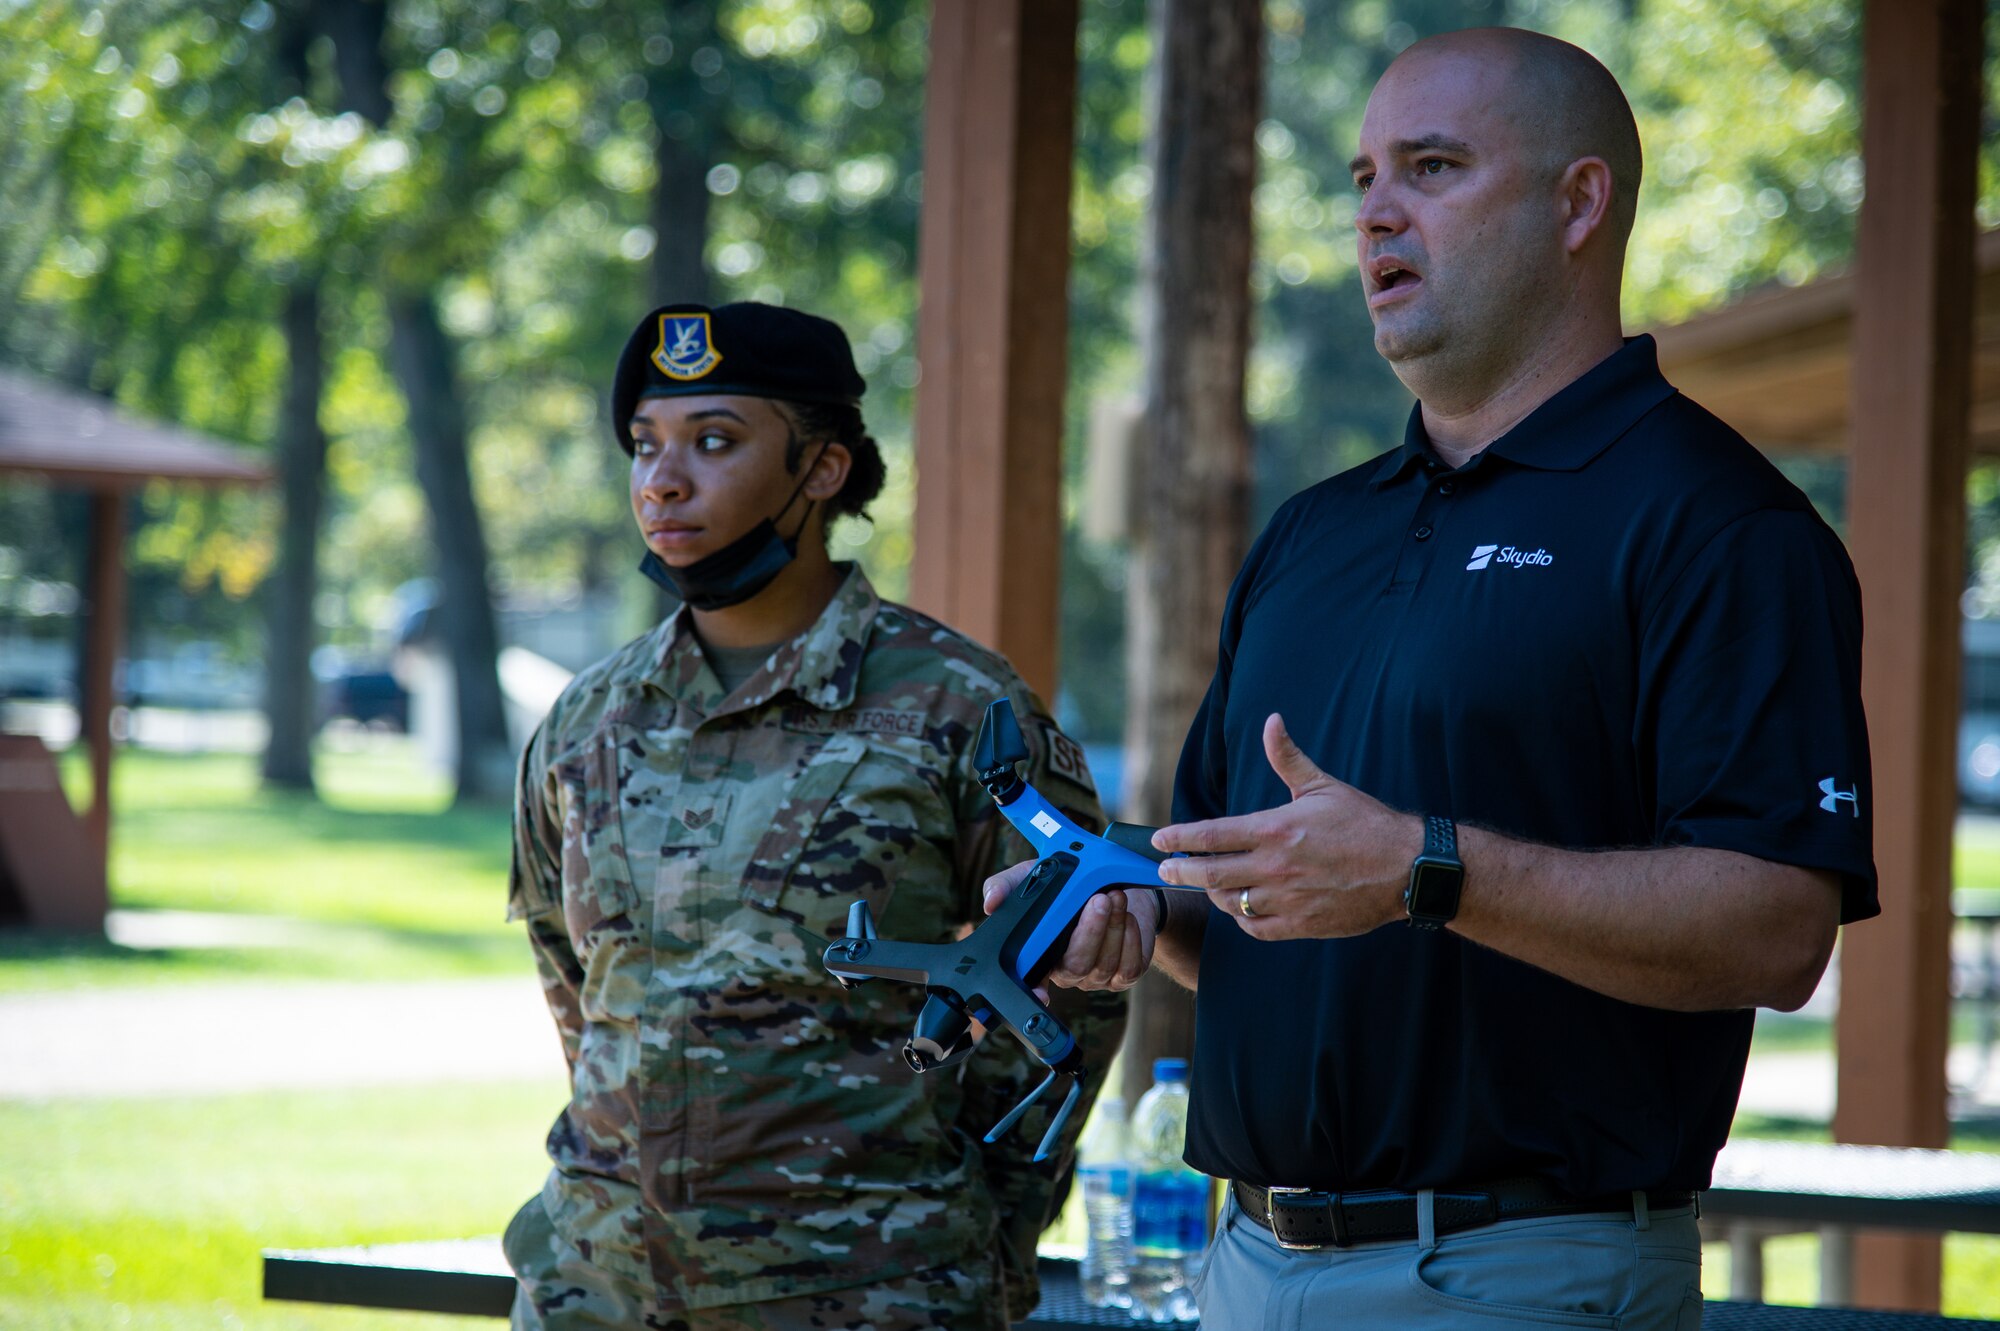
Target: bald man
x,y
1534,762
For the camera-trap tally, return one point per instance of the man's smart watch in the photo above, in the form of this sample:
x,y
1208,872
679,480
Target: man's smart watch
x,y
1436,877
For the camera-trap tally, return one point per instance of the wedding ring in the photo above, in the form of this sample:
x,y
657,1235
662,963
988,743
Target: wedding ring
x,y
1243,904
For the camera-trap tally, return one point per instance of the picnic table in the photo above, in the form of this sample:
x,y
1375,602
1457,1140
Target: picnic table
x,y
1764,1188
469,1276
1761,1189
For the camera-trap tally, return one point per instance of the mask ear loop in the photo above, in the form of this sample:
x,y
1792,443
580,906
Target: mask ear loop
x,y
793,540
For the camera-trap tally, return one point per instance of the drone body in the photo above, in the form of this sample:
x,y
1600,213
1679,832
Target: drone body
x,y
989,976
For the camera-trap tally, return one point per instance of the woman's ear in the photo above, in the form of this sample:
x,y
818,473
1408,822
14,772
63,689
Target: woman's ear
x,y
828,474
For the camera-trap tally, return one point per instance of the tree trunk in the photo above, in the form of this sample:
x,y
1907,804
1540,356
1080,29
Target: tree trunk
x,y
688,119
688,123
289,703
357,28
424,362
1193,470
288,691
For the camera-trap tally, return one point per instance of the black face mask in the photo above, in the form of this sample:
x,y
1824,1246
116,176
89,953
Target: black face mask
x,y
739,570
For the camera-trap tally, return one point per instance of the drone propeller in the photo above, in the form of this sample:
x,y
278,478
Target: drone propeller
x,y
999,750
860,926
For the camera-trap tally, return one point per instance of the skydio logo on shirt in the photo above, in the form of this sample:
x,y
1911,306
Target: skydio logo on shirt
x,y
1483,555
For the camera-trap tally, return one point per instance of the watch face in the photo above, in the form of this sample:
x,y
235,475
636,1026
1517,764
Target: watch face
x,y
1434,888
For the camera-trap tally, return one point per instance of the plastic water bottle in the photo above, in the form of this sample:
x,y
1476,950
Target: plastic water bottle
x,y
1169,1200
1105,1170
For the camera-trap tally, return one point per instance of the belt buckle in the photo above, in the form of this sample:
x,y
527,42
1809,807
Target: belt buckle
x,y
1271,1218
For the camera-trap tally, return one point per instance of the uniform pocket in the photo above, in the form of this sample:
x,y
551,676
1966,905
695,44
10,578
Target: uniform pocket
x,y
855,824
797,820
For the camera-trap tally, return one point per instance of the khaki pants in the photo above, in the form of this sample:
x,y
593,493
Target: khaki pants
x,y
1610,1272
561,1291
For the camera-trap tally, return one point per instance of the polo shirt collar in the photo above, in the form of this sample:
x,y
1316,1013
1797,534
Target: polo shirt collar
x,y
1569,430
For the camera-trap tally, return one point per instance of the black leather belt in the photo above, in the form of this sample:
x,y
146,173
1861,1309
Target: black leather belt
x,y
1303,1219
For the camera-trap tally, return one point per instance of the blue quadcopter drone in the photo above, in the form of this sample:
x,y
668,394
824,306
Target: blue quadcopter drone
x,y
989,976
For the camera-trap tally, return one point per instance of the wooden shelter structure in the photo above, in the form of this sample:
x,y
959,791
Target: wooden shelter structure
x,y
79,441
1778,364
994,314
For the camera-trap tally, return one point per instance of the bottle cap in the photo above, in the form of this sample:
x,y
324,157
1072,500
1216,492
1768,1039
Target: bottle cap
x,y
1170,1069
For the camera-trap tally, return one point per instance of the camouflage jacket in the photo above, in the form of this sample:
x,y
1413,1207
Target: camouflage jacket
x,y
739,1127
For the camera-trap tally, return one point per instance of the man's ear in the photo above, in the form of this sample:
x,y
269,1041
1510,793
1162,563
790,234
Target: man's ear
x,y
1584,196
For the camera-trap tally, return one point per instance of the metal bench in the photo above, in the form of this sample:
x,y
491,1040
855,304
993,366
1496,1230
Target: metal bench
x,y
469,1276
1765,1188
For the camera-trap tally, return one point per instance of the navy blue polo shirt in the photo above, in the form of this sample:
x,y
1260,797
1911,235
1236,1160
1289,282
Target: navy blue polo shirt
x,y
1617,626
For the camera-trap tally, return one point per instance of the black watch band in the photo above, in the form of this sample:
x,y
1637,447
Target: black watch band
x,y
1437,877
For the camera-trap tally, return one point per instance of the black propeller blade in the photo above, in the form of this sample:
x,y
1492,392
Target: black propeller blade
x,y
1000,749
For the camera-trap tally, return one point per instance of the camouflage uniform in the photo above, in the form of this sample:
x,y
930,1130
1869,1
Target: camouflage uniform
x,y
741,1129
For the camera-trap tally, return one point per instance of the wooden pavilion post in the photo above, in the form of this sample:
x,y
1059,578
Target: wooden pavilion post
x,y
993,323
106,628
1911,409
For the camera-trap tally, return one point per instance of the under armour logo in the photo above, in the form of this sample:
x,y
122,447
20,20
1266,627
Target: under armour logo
x,y
1834,795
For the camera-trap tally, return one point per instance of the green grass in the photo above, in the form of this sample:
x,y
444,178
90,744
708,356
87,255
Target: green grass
x,y
151,1213
380,847
402,885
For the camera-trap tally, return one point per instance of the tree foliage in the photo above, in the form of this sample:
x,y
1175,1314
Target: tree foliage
x,y
165,184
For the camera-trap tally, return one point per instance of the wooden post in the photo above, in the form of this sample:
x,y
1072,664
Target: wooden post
x,y
103,636
1912,362
993,323
1190,527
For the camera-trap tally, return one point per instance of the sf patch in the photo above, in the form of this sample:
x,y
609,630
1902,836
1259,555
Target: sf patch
x,y
1066,758
687,346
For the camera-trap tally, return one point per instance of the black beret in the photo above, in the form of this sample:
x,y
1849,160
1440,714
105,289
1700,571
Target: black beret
x,y
746,349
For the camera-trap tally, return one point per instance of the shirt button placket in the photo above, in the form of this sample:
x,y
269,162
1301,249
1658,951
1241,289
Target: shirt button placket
x,y
1415,555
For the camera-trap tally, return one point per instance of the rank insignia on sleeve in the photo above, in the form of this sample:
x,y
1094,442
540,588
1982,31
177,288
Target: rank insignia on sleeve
x,y
1066,758
687,346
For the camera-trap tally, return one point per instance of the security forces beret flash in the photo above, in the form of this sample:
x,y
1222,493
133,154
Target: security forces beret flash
x,y
746,349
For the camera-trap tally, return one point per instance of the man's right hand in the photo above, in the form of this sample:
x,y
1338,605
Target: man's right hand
x,y
1112,944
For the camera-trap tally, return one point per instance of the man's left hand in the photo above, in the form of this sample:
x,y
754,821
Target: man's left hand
x,y
1331,864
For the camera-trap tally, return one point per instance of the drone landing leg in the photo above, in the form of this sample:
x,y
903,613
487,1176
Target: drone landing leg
x,y
1062,1117
1001,1128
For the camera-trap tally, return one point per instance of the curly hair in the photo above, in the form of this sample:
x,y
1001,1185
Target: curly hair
x,y
840,424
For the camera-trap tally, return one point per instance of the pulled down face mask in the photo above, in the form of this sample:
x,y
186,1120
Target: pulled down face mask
x,y
740,569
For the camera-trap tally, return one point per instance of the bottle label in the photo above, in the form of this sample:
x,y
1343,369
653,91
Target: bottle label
x,y
1170,1212
1114,1179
